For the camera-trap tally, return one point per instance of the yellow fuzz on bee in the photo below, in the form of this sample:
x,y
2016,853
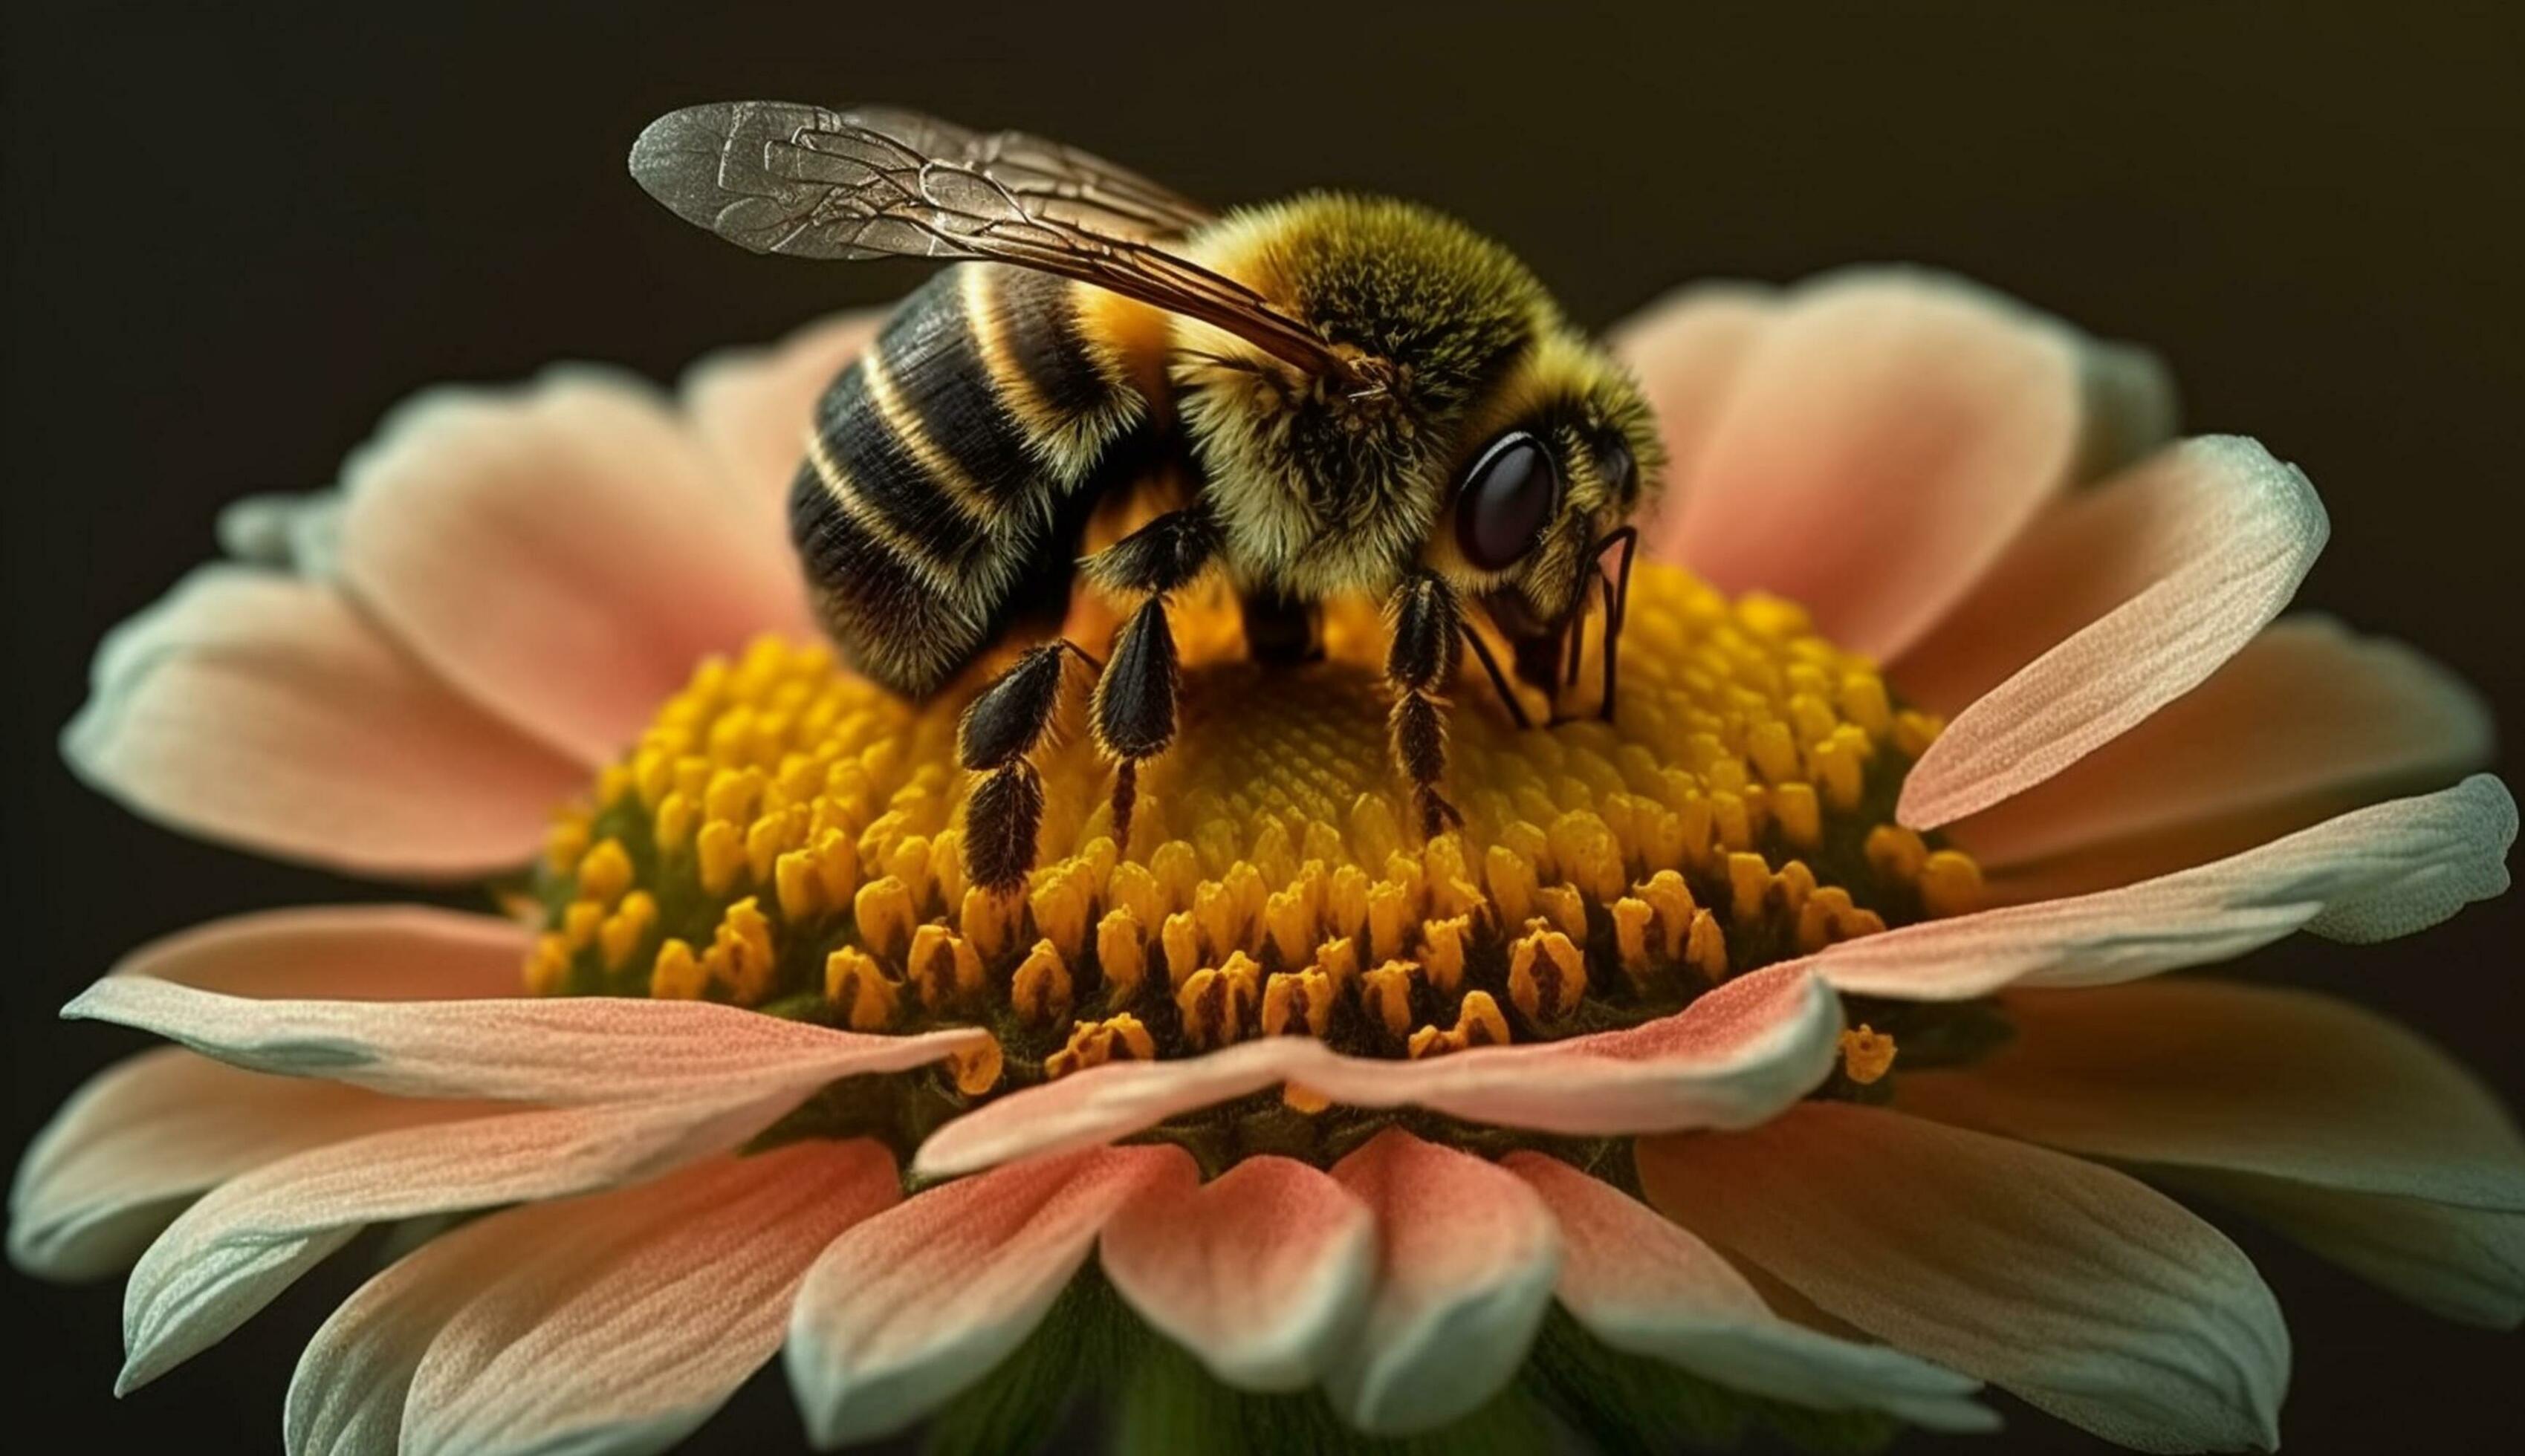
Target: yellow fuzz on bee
x,y
786,836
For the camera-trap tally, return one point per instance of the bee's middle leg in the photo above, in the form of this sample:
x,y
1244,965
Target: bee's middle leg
x,y
1429,635
1133,714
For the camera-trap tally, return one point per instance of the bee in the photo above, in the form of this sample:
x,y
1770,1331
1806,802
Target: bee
x,y
1346,393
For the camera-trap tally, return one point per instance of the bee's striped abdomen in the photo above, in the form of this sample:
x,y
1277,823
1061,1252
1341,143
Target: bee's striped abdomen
x,y
942,475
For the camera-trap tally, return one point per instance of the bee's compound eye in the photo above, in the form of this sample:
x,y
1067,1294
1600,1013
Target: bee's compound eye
x,y
1507,498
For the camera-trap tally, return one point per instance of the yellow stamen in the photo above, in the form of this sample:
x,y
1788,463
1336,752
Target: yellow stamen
x,y
678,975
977,1070
1386,992
782,821
1546,976
1296,1002
1867,1054
1040,992
1479,1023
1121,953
944,966
866,996
1093,1043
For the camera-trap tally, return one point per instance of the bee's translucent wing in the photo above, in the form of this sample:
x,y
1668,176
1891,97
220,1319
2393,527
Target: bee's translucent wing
x,y
877,181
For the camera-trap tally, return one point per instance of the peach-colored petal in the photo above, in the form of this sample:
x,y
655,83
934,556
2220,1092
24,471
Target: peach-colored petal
x,y
2464,1264
251,1238
263,711
1885,438
642,1320
754,407
1730,1058
2274,1086
2086,555
2286,1083
616,1321
1262,1272
1643,1284
2307,716
1687,350
148,1135
2211,539
561,554
2129,406
297,533
341,952
912,1306
531,1048
2072,1286
2386,870
1465,1258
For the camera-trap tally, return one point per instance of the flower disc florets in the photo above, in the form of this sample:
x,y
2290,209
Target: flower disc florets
x,y
786,837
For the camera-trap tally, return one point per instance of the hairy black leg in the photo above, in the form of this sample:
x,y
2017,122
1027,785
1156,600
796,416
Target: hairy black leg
x,y
1001,818
1161,556
1134,711
1428,633
1133,715
1003,726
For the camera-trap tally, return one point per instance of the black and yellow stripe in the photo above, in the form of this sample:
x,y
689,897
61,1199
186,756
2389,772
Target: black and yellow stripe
x,y
948,468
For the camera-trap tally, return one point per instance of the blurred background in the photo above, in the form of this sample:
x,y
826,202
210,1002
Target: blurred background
x,y
234,239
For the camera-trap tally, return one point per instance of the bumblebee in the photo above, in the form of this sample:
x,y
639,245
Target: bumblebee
x,y
1330,395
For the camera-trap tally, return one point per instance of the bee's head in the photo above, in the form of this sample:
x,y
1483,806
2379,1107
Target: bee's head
x,y
1564,455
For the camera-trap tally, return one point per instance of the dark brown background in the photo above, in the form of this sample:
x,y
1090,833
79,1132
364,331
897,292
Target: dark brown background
x,y
233,241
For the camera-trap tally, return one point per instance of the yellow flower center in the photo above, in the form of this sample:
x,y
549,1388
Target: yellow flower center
x,y
786,837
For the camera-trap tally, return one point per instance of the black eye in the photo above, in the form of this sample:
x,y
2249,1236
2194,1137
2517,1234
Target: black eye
x,y
1507,498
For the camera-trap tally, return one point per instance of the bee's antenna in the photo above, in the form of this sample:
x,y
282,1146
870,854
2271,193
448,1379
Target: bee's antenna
x,y
1617,602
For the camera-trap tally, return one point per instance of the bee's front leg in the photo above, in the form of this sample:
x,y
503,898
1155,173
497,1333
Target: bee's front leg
x,y
1134,711
1428,634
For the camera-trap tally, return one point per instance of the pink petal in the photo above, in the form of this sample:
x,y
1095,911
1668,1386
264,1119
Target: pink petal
x,y
1687,350
1645,1285
2203,546
1466,1255
1883,441
145,1136
345,953
754,407
2305,717
2387,870
562,554
630,1325
920,1302
244,1242
2271,1084
2074,1287
295,533
265,711
2128,403
1262,1272
547,1048
1729,1059
614,1320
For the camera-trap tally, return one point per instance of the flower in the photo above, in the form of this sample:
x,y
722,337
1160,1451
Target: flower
x,y
1833,1071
